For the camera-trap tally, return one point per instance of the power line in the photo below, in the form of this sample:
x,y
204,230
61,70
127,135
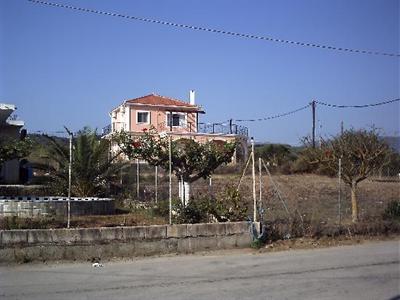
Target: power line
x,y
358,106
219,31
52,133
275,116
321,103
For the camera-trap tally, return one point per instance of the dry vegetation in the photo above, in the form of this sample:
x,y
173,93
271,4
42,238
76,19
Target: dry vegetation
x,y
313,197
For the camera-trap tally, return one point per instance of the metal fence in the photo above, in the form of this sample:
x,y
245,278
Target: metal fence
x,y
210,128
223,128
308,197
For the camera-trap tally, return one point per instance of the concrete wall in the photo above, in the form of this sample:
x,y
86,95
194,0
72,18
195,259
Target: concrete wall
x,y
87,243
25,206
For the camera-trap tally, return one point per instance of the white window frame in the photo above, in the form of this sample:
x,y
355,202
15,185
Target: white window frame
x,y
176,113
148,119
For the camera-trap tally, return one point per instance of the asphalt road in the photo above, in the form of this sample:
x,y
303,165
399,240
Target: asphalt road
x,y
369,271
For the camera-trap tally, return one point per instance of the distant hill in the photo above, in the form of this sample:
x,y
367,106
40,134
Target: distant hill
x,y
42,140
394,142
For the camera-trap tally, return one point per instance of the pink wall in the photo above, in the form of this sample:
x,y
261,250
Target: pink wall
x,y
159,120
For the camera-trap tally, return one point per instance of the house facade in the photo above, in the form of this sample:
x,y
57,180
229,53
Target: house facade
x,y
10,128
176,118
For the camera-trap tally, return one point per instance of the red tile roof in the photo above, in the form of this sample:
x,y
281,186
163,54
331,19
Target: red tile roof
x,y
154,99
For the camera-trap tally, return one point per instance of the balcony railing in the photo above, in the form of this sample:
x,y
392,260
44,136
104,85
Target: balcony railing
x,y
106,130
223,128
210,128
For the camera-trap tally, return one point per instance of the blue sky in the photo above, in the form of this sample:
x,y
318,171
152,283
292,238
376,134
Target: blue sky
x,y
62,67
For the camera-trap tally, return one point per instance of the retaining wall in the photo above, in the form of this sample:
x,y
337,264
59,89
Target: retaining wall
x,y
26,206
109,242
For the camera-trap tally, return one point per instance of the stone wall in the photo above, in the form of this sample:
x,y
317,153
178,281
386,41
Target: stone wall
x,y
109,242
53,206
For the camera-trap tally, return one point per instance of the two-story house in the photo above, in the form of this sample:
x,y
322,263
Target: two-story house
x,y
177,118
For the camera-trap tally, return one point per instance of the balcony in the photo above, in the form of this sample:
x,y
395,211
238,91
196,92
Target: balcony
x,y
206,128
223,128
106,130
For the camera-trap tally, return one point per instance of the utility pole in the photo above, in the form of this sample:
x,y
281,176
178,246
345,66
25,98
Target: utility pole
x,y
341,128
254,182
313,105
69,177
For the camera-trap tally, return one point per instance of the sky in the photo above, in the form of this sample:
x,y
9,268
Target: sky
x,y
63,67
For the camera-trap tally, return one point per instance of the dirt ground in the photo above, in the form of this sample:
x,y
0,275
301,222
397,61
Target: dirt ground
x,y
324,242
313,197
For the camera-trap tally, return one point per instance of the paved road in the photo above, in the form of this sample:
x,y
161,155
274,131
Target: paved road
x,y
369,271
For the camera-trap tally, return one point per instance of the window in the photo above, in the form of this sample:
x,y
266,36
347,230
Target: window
x,y
177,119
143,117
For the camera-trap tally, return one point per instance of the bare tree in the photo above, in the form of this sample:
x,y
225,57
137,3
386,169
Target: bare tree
x,y
362,152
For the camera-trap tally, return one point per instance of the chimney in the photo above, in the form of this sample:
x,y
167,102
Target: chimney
x,y
192,97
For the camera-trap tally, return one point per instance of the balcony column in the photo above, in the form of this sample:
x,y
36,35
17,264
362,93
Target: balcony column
x,y
197,122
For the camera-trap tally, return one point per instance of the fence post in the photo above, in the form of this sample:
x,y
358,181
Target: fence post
x,y
137,179
340,193
156,183
170,179
254,182
210,187
260,183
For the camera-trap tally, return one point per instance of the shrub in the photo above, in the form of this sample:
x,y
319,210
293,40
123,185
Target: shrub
x,y
257,244
192,213
229,206
392,211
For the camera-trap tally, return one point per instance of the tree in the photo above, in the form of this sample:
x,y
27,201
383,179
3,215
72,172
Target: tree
x,y
190,160
14,148
92,168
276,154
361,152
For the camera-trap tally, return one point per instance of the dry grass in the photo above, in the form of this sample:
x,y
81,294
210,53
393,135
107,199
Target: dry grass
x,y
314,197
137,218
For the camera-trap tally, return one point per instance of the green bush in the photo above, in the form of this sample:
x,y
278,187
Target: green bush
x,y
257,244
229,206
192,213
226,206
392,211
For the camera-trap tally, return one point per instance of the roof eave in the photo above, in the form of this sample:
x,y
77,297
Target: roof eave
x,y
174,107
